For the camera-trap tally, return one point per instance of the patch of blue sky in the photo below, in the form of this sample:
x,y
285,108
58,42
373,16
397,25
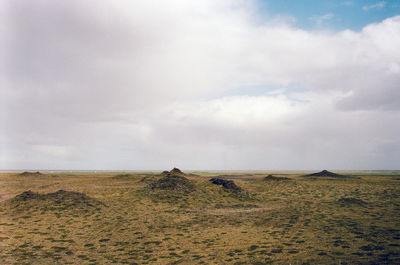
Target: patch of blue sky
x,y
330,14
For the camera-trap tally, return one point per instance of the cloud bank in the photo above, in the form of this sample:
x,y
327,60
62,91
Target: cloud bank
x,y
195,84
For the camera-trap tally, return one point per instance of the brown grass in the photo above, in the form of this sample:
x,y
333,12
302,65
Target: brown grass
x,y
302,221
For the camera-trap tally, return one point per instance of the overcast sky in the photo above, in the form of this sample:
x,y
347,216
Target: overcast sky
x,y
209,84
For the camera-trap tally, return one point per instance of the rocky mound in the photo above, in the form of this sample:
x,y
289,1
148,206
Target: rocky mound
x,y
227,184
173,181
59,200
326,174
27,173
272,177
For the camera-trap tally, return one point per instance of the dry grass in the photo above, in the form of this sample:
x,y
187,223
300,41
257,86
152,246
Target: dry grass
x,y
302,221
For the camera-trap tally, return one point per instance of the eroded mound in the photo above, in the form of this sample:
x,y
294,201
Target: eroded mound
x,y
172,182
27,173
227,184
272,177
326,174
59,200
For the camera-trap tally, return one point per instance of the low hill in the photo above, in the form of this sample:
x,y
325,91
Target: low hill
x,y
326,174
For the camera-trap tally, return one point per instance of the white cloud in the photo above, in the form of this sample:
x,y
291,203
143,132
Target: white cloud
x,y
55,150
152,84
237,110
319,20
377,5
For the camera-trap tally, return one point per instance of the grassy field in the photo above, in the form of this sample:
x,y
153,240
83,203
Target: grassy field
x,y
123,221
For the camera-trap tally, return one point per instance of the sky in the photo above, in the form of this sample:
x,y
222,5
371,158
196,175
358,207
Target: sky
x,y
199,85
331,14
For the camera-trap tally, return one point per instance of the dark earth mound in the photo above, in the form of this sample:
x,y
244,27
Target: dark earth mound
x,y
122,176
351,201
173,182
59,200
272,177
27,173
326,174
227,184
176,171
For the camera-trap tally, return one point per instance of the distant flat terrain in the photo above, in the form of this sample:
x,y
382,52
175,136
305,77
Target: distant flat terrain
x,y
184,218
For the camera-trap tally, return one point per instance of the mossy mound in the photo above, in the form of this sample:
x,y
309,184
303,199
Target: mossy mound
x,y
59,200
227,184
272,177
326,174
172,182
